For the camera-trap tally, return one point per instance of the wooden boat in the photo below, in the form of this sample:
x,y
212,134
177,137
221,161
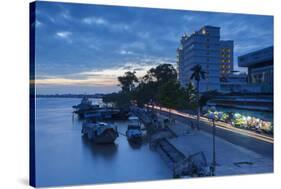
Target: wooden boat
x,y
99,132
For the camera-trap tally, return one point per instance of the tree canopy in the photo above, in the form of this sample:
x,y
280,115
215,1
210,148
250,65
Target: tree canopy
x,y
127,82
197,73
159,85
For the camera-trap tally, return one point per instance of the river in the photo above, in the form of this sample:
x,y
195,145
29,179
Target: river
x,y
64,157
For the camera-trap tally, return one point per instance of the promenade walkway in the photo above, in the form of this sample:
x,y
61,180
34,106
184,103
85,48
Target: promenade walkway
x,y
259,143
231,159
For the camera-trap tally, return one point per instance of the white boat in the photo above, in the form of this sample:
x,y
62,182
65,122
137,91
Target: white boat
x,y
134,133
100,133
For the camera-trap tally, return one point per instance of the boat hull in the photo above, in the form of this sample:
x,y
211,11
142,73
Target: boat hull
x,y
106,137
135,139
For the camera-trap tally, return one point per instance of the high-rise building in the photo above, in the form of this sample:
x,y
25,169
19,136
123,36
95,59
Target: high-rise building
x,y
204,47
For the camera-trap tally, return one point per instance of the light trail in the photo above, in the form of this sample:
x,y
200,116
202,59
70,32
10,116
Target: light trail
x,y
219,124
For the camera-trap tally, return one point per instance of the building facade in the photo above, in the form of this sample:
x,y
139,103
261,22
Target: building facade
x,y
204,47
226,58
260,68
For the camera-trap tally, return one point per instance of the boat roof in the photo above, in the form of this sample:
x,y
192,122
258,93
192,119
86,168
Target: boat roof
x,y
133,118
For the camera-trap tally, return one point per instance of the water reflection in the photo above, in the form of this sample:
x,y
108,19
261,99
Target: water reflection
x,y
106,150
135,145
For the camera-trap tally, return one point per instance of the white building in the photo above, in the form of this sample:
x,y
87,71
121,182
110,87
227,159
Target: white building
x,y
204,47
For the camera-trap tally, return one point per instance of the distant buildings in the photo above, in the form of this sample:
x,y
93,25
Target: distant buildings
x,y
205,48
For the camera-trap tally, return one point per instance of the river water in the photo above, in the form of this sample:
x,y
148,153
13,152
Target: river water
x,y
64,157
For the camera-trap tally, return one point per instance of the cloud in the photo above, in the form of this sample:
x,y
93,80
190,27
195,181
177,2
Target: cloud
x,y
95,81
94,20
66,14
125,52
38,24
188,18
65,35
105,23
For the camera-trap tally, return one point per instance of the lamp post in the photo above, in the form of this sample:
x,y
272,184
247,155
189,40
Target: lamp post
x,y
213,117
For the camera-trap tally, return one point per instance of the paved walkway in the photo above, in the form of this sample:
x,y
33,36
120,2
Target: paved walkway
x,y
221,125
231,159
247,141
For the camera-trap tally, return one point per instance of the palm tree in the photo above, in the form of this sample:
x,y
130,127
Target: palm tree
x,y
197,74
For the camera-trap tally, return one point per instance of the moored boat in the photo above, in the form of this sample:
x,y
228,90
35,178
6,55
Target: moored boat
x,y
134,133
84,106
99,132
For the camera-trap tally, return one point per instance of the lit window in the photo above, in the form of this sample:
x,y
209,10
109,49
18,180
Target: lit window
x,y
204,32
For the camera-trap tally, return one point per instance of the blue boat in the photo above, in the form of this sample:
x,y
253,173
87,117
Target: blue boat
x,y
99,132
134,133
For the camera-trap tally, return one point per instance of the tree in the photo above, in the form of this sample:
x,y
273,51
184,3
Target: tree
x,y
161,74
197,74
120,99
190,93
168,94
127,82
144,92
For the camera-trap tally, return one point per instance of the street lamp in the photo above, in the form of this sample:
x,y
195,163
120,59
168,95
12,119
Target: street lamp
x,y
214,117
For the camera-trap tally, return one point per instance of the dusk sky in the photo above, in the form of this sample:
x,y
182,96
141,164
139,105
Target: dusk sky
x,y
83,48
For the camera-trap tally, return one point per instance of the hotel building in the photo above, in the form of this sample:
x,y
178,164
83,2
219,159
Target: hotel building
x,y
205,48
